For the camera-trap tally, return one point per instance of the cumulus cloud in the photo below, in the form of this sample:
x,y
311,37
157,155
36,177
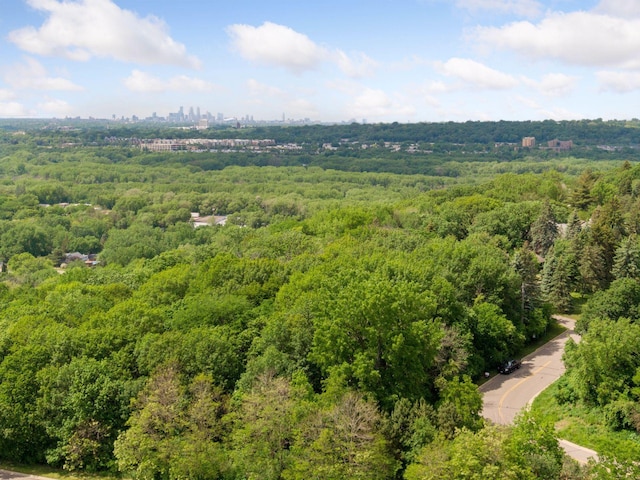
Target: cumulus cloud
x,y
439,86
619,82
83,29
619,8
55,107
475,74
358,67
260,89
32,75
140,81
523,8
12,109
280,46
301,107
580,38
6,95
554,113
293,102
372,102
277,45
553,84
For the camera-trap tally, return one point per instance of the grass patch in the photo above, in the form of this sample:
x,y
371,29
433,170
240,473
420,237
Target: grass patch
x,y
584,426
45,471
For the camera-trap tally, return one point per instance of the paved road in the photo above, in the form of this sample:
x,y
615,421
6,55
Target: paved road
x,y
505,395
6,475
581,454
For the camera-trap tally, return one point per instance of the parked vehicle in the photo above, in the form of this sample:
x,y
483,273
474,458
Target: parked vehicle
x,y
509,366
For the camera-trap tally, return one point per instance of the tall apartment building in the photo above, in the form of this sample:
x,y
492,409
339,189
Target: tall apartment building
x,y
560,145
529,142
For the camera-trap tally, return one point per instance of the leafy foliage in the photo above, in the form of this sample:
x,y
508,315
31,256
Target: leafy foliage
x,y
332,328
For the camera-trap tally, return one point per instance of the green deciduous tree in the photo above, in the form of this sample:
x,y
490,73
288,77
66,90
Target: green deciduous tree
x,y
174,432
264,430
343,441
83,405
381,333
495,337
621,299
470,455
459,406
601,367
25,237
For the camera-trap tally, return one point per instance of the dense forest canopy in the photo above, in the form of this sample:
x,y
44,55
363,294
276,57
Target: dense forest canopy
x,y
582,132
329,318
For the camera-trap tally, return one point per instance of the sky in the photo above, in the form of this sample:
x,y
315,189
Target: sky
x,y
329,61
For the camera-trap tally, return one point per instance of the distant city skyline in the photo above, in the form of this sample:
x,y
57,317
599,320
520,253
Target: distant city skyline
x,y
195,115
331,61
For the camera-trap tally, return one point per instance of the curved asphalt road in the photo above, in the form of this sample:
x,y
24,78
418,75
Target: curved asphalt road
x,y
505,395
6,475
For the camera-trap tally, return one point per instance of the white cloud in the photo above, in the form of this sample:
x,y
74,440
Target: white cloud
x,y
523,8
280,46
438,86
555,113
376,103
55,107
32,75
260,89
475,74
619,8
553,84
276,45
82,29
358,67
143,82
293,102
12,109
619,82
6,95
301,108
582,38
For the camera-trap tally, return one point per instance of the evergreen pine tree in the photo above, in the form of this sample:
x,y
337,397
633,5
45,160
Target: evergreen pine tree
x,y
574,226
626,262
525,264
581,197
544,230
558,277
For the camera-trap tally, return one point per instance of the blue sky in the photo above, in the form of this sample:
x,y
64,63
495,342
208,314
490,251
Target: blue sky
x,y
379,60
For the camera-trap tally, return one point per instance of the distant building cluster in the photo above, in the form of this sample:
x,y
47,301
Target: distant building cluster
x,y
560,145
555,144
174,145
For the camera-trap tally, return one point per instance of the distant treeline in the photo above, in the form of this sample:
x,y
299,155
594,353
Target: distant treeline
x,y
581,132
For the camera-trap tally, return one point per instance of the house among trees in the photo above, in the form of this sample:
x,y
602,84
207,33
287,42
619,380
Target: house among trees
x,y
199,221
90,260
